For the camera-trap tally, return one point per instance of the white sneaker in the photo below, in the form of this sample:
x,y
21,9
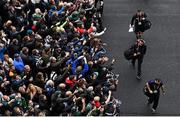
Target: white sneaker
x,y
153,110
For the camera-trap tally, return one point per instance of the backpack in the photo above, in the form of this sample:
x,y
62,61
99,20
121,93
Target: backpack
x,y
147,24
128,54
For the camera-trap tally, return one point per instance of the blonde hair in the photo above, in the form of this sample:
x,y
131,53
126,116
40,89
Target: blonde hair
x,y
31,88
96,98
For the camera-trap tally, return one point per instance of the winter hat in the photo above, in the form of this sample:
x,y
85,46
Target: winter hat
x,y
38,11
16,55
96,101
34,27
96,74
50,83
53,8
29,32
96,98
90,88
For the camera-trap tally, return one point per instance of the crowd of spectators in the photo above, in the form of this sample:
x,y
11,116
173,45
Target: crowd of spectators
x,y
52,60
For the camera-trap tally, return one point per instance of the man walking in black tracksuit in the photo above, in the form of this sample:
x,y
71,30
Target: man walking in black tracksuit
x,y
138,22
139,49
152,91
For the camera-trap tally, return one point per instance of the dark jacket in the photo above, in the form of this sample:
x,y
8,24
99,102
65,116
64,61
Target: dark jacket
x,y
13,49
140,49
138,22
136,18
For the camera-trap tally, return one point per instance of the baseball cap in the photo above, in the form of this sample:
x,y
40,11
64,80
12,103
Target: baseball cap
x,y
16,55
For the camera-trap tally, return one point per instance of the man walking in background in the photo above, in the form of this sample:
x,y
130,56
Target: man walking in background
x,y
140,23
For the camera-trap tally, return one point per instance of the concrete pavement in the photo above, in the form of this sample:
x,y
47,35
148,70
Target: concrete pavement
x,y
163,53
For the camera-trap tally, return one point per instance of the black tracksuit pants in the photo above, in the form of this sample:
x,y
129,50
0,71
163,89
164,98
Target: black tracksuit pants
x,y
140,60
153,98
